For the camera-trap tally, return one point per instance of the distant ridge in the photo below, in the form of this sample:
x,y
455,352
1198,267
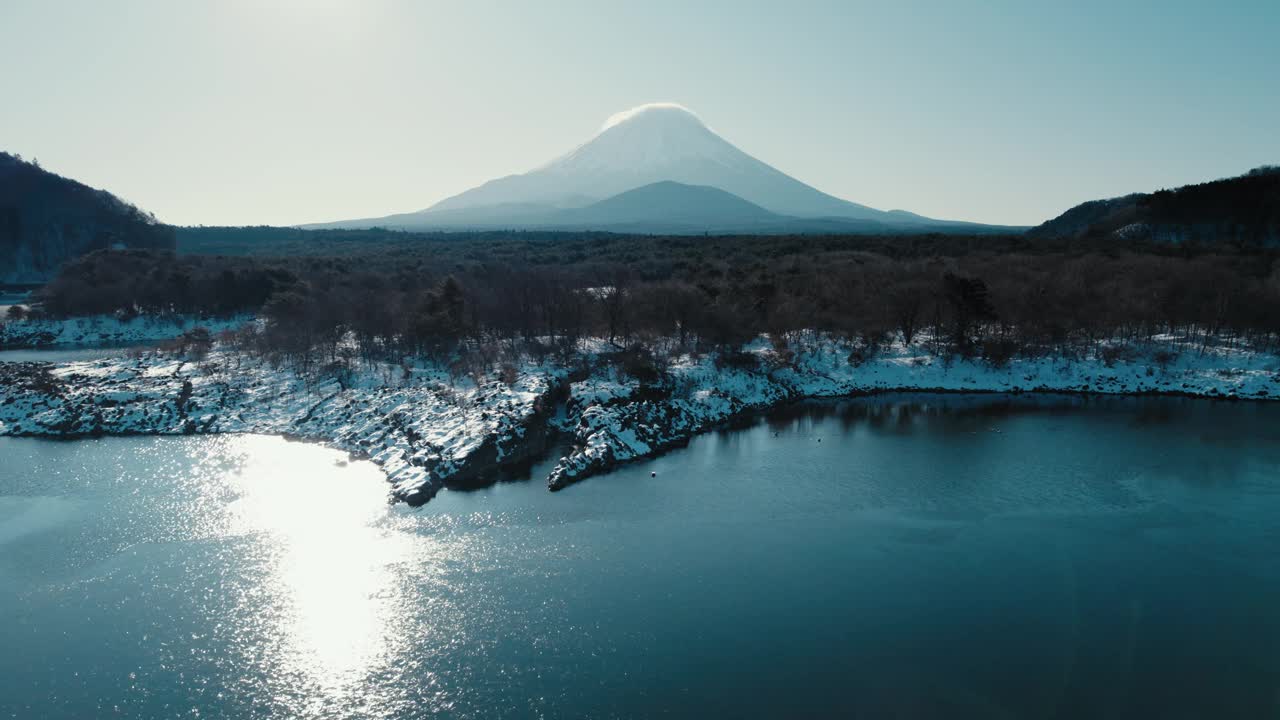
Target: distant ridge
x,y
1244,210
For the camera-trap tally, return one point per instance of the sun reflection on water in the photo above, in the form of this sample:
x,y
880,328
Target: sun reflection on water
x,y
334,585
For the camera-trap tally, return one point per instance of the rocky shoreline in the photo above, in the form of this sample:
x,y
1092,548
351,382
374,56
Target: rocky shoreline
x,y
620,421
420,431
427,430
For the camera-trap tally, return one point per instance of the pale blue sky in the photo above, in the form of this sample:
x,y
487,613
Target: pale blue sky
x,y
282,112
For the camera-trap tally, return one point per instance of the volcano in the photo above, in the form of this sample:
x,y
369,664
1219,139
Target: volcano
x,y
669,150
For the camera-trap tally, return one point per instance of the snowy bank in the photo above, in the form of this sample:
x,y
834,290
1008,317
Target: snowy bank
x,y
107,330
421,431
426,430
621,420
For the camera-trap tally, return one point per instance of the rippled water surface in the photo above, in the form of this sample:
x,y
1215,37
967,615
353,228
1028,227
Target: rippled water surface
x,y
902,557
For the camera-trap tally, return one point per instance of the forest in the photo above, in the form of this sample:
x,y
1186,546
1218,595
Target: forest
x,y
990,297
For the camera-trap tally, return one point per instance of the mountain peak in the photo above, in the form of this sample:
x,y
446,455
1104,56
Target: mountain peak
x,y
654,113
645,144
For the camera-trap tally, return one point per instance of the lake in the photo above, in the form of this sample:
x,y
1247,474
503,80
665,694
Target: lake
x,y
899,556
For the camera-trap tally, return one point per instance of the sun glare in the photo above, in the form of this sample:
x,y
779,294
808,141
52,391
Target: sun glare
x,y
332,565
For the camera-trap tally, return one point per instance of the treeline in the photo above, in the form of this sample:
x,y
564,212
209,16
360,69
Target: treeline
x,y
993,305
1251,200
133,282
389,250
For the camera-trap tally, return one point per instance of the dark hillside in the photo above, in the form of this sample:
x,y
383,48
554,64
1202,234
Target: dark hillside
x,y
47,219
1243,210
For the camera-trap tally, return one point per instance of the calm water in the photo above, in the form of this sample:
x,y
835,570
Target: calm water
x,y
929,557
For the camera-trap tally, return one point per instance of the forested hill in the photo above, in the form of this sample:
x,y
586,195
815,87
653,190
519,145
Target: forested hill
x,y
1242,210
47,219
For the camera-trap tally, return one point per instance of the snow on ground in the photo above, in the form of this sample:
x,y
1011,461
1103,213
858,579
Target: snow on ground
x,y
619,422
420,430
425,430
107,330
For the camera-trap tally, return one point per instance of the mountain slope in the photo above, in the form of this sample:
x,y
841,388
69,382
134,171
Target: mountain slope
x,y
672,202
1243,209
46,219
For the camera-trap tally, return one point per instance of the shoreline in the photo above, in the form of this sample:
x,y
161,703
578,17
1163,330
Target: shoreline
x,y
426,430
531,456
745,416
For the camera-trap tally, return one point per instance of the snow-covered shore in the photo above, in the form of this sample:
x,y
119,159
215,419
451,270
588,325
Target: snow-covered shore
x,y
426,430
417,428
621,420
104,330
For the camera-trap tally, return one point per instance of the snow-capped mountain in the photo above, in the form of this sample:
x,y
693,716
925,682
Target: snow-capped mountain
x,y
646,146
655,143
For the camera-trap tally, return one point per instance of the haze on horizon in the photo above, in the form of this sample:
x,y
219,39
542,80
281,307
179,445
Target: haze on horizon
x,y
291,111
